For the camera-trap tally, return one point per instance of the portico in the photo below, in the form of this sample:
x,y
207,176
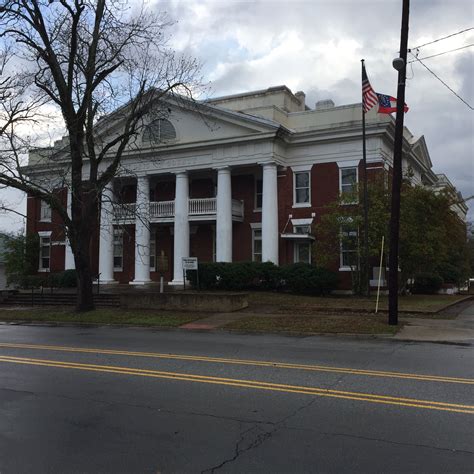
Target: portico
x,y
221,211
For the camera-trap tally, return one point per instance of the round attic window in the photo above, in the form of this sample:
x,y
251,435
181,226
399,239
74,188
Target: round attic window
x,y
159,131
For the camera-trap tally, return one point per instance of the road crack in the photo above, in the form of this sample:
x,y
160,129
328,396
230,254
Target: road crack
x,y
259,437
399,443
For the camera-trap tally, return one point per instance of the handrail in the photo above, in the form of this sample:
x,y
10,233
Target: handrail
x,y
166,209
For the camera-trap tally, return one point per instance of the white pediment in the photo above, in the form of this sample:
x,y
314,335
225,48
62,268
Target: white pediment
x,y
420,150
209,124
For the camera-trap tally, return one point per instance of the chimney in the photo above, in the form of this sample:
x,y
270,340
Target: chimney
x,y
301,96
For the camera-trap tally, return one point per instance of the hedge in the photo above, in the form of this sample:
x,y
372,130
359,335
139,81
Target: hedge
x,y
306,279
298,278
65,279
427,283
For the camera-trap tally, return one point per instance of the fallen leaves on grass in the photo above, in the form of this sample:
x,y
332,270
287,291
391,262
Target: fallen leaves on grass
x,y
350,324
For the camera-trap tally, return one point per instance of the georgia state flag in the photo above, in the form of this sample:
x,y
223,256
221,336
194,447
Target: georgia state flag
x,y
388,104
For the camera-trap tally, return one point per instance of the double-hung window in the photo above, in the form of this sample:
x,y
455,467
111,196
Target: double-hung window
x,y
45,212
302,250
118,250
45,252
258,193
256,245
348,182
349,242
152,254
302,188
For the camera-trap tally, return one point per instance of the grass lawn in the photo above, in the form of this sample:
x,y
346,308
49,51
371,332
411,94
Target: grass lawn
x,y
103,316
283,302
330,324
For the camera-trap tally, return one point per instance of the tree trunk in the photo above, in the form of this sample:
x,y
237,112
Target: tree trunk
x,y
85,299
82,256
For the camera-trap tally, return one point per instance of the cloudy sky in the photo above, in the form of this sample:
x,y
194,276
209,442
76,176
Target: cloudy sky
x,y
316,46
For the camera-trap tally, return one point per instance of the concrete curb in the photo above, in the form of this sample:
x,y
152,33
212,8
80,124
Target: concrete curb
x,y
372,337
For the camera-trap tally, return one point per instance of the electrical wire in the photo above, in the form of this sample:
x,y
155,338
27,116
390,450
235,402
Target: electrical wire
x,y
442,82
440,54
443,38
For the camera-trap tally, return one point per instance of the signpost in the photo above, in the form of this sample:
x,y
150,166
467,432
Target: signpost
x,y
190,263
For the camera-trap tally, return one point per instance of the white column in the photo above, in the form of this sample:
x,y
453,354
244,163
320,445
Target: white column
x,y
270,214
69,263
142,232
181,226
224,216
106,240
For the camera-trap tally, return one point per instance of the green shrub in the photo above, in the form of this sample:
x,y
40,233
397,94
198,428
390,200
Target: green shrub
x,y
236,276
226,276
68,279
27,282
427,283
306,279
451,273
52,280
270,276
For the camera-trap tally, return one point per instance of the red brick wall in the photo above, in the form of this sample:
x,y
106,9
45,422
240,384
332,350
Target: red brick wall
x,y
324,190
164,241
56,227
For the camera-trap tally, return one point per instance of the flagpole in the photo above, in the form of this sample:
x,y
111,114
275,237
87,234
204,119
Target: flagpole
x,y
366,200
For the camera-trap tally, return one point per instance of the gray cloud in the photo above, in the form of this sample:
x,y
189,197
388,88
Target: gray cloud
x,y
316,46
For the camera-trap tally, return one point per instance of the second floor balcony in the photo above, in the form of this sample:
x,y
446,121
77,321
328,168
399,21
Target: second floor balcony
x,y
202,209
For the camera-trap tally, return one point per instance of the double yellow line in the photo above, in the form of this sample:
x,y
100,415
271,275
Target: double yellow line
x,y
256,363
314,391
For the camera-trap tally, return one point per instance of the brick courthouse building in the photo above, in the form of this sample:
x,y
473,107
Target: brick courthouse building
x,y
241,177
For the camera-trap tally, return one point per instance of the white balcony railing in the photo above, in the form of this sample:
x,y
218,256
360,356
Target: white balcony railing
x,y
124,211
205,207
162,209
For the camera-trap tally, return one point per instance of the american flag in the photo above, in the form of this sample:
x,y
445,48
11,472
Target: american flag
x,y
369,97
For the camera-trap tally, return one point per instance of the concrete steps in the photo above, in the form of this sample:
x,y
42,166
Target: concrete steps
x,y
59,299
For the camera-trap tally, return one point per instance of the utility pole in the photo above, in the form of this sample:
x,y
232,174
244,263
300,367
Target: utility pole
x,y
400,64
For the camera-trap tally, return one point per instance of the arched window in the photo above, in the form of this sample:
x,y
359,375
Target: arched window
x,y
159,131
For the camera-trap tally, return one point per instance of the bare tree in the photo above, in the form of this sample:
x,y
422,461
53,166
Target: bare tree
x,y
98,64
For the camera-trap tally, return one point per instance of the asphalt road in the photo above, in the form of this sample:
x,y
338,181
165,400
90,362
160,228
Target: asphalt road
x,y
132,400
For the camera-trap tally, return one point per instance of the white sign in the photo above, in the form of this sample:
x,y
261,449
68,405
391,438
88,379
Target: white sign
x,y
190,263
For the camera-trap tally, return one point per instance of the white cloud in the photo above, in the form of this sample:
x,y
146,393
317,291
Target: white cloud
x,y
316,46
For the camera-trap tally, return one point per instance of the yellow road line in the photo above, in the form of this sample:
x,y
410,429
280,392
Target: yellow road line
x,y
279,365
259,385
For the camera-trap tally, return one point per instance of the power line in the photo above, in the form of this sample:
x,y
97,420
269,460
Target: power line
x,y
442,82
440,54
443,38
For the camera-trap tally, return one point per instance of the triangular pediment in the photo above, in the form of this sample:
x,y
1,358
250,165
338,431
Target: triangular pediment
x,y
187,122
420,150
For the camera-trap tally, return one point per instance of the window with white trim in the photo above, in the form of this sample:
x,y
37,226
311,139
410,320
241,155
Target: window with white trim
x,y
214,243
256,245
45,212
349,242
45,253
348,180
118,250
302,188
302,250
258,193
152,253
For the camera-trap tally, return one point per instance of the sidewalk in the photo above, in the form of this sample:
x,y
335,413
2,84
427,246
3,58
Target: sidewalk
x,y
459,330
455,331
